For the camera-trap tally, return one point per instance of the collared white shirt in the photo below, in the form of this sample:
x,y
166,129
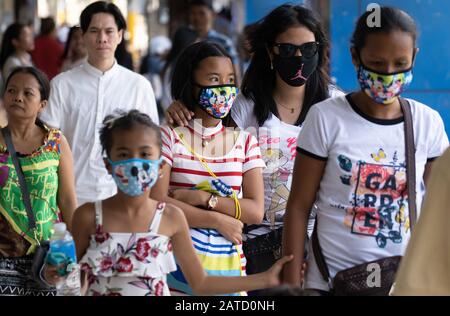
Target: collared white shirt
x,y
80,99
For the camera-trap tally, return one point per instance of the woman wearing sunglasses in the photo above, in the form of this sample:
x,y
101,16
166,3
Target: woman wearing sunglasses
x,y
287,75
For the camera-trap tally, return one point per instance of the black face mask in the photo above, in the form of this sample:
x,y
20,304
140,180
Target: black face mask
x,y
295,71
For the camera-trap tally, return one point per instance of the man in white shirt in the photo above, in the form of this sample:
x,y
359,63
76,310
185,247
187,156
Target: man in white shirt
x,y
80,99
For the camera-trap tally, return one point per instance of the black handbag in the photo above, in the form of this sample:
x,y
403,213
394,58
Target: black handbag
x,y
263,251
354,281
43,246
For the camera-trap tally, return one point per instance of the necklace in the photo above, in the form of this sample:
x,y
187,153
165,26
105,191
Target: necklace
x,y
208,134
286,107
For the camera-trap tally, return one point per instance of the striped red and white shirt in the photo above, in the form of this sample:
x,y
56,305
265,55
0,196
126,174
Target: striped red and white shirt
x,y
187,171
218,255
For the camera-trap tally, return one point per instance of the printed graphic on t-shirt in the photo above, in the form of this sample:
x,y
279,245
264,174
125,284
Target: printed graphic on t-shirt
x,y
277,175
379,198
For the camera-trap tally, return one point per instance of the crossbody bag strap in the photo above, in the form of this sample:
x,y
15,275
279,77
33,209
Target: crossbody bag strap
x,y
23,186
320,258
212,174
208,169
410,153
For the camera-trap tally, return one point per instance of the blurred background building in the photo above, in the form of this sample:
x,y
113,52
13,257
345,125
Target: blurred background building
x,y
150,18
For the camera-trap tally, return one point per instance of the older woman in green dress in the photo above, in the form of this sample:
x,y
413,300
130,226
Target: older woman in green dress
x,y
46,160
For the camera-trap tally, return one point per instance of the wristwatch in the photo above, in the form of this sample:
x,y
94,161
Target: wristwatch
x,y
213,201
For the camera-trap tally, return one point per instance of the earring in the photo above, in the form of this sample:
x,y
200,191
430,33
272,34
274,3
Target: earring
x,y
271,65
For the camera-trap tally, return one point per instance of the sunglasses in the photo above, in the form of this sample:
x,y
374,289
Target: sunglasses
x,y
308,50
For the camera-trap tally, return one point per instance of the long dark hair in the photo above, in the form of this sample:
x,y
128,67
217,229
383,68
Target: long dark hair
x,y
183,74
72,32
7,49
259,81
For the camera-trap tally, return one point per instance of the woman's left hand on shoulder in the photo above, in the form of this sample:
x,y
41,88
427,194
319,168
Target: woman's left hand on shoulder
x,y
178,115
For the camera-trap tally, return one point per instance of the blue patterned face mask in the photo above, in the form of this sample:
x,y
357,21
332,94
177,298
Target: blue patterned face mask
x,y
134,177
217,100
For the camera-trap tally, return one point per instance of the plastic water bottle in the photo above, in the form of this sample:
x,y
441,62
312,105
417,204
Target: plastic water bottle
x,y
62,254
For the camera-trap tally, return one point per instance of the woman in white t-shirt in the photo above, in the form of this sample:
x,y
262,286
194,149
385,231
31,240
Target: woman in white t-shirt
x,y
17,44
352,160
75,52
286,76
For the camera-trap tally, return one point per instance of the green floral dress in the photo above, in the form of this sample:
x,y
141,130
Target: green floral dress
x,y
41,174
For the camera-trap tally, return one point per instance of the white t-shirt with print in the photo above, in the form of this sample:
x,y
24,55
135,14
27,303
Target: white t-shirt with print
x,y
278,143
362,201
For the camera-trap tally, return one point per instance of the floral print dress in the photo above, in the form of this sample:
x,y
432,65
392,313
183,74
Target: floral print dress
x,y
125,264
40,169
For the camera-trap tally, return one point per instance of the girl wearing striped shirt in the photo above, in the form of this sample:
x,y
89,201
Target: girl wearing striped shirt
x,y
212,173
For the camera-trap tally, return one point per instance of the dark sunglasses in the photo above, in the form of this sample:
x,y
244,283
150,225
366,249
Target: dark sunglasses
x,y
308,50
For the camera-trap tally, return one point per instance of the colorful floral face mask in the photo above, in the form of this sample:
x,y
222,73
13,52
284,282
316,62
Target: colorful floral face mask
x,y
384,88
134,177
217,100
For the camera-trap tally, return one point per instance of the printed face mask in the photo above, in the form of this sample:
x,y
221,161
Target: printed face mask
x,y
136,176
384,88
295,71
217,100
